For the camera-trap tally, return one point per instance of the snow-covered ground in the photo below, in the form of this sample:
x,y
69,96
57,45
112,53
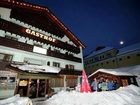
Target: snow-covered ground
x,y
129,95
16,100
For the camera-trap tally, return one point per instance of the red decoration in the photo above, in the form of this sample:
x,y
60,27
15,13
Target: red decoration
x,y
84,87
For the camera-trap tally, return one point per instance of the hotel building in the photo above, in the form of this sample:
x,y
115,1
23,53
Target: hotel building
x,y
36,50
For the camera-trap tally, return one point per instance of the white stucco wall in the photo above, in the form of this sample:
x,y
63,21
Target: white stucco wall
x,y
20,56
5,13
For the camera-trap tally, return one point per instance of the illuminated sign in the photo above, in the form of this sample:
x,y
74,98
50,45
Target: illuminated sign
x,y
37,34
39,50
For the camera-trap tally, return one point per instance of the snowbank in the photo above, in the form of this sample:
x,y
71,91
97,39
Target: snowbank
x,y
16,100
129,95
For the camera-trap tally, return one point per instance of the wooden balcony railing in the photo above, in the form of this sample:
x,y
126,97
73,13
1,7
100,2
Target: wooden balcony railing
x,y
63,56
17,29
15,44
26,47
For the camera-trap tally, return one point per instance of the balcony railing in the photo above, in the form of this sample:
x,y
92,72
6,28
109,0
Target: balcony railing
x,y
15,44
63,56
19,30
26,47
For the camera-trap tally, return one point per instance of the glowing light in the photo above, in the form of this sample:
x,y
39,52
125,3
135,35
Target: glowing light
x,y
121,42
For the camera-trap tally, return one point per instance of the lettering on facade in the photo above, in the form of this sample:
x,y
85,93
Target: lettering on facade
x,y
37,34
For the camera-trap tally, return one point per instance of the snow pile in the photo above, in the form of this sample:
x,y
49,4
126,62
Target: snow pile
x,y
37,68
129,95
16,100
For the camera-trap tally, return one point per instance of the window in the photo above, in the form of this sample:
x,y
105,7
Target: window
x,y
6,57
96,59
113,60
107,62
56,64
48,63
120,59
138,54
128,57
132,80
71,67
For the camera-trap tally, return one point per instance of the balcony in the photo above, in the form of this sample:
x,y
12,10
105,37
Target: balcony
x,y
70,72
26,47
15,44
63,56
16,29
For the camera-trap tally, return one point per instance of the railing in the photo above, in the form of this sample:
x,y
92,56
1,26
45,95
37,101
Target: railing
x,y
26,47
70,72
15,44
16,29
63,56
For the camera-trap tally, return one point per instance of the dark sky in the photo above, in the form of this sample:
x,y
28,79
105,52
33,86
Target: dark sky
x,y
98,22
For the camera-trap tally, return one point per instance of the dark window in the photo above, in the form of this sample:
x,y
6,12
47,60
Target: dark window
x,y
107,62
96,59
48,63
71,67
66,66
138,54
120,59
6,57
113,60
56,64
128,57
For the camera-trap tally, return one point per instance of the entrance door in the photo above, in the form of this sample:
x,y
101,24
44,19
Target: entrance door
x,y
42,88
33,88
23,87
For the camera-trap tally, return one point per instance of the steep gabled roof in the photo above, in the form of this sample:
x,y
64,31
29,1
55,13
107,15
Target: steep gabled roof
x,y
46,11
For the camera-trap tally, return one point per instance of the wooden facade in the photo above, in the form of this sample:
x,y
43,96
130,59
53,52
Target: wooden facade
x,y
122,80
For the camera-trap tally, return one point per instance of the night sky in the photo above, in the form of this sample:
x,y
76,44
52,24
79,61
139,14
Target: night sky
x,y
98,22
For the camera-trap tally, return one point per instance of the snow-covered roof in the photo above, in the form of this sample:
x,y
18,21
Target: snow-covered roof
x,y
37,68
125,71
129,48
99,51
